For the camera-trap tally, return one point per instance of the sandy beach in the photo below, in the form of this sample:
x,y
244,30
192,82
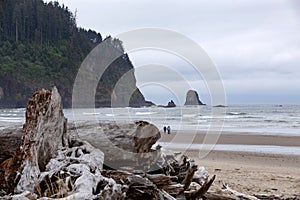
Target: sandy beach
x,y
249,172
232,138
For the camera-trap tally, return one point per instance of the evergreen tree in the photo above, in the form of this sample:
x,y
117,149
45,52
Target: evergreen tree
x,y
41,46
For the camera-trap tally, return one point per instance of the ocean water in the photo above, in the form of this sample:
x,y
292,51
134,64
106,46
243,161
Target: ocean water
x,y
262,119
242,119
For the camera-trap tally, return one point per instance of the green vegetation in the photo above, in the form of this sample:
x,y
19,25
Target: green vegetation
x,y
41,46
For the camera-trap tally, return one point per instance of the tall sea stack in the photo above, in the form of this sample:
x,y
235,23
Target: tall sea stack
x,y
192,98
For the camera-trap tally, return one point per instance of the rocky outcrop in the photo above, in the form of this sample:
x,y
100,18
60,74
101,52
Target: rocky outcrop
x,y
106,79
117,85
220,106
192,98
171,104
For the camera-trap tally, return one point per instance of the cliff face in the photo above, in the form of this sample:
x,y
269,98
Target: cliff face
x,y
192,98
106,79
35,55
117,85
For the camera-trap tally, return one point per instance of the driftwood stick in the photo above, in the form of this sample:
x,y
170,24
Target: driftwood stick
x,y
227,189
191,195
189,176
160,180
166,195
175,189
268,197
214,196
119,176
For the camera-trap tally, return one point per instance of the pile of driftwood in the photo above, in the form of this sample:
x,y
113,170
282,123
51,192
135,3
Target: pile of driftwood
x,y
97,161
51,163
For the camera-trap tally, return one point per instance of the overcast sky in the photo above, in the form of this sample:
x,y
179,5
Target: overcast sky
x,y
255,44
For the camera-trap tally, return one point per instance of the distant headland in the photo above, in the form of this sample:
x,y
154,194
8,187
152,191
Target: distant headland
x,y
42,46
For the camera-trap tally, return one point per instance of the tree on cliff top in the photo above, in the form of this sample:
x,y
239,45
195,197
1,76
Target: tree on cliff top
x,y
41,46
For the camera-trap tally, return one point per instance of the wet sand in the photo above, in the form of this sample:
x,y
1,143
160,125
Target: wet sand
x,y
231,138
250,173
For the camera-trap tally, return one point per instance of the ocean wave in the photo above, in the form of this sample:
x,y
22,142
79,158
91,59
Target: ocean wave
x,y
8,114
189,115
236,113
217,117
276,121
109,115
90,113
11,119
145,113
252,117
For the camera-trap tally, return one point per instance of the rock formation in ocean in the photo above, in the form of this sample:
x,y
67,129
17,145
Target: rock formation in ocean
x,y
220,106
171,104
192,98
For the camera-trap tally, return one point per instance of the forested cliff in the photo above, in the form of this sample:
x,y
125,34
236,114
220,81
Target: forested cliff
x,y
41,46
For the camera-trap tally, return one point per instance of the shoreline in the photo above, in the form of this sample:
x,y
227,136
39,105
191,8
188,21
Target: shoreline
x,y
247,172
230,138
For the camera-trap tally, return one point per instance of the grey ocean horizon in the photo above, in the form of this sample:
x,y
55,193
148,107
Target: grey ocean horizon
x,y
240,119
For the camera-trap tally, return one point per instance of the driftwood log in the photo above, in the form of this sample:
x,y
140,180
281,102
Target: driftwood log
x,y
10,138
125,145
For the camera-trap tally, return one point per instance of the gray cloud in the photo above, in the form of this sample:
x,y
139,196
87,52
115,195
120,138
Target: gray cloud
x,y
254,43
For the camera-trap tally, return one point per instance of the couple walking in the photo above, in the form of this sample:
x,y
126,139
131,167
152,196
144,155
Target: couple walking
x,y
167,129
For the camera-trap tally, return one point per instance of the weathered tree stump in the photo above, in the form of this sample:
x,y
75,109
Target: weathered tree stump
x,y
44,133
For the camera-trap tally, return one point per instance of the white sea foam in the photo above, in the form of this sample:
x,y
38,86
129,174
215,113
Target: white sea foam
x,y
145,113
90,113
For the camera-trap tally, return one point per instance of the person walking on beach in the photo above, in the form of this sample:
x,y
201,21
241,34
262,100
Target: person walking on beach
x,y
169,129
165,129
